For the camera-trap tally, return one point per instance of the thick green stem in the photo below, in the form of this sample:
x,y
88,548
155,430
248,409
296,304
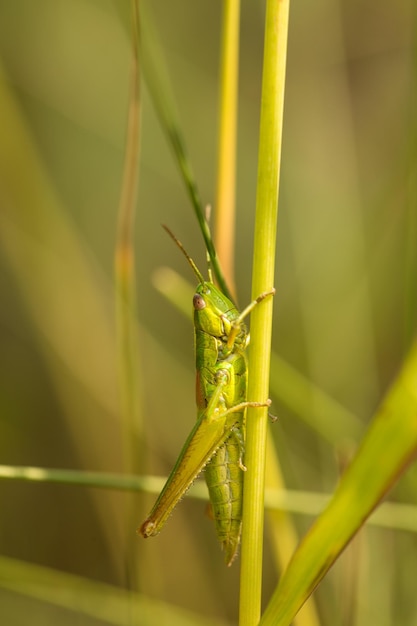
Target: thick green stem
x,y
273,82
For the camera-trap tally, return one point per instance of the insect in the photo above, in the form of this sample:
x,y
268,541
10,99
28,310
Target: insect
x,y
217,440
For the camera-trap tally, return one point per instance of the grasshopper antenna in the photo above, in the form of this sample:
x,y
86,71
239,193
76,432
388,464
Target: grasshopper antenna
x,y
187,256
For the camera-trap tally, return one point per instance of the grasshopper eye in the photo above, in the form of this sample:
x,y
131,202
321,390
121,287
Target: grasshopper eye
x,y
199,302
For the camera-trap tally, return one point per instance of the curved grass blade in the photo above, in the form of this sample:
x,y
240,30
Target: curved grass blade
x,y
162,96
388,447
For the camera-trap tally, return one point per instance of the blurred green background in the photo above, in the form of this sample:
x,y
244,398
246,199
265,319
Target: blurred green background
x,y
344,310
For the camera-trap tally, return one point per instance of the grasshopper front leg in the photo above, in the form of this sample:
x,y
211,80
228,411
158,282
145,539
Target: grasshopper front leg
x,y
237,323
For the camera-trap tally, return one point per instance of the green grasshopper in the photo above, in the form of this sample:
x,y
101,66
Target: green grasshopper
x,y
216,442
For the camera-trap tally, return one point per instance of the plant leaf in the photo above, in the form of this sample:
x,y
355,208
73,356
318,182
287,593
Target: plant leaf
x,y
388,447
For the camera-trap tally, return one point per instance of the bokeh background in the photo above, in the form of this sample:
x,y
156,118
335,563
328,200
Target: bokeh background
x,y
344,310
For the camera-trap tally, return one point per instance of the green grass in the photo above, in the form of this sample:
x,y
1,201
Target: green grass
x,y
342,379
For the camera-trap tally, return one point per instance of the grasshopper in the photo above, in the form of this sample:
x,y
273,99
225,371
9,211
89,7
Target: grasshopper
x,y
217,440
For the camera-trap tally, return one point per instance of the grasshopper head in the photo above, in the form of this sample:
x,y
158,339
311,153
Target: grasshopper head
x,y
213,311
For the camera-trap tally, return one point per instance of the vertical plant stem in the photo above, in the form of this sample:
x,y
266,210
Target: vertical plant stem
x,y
272,106
125,261
226,175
